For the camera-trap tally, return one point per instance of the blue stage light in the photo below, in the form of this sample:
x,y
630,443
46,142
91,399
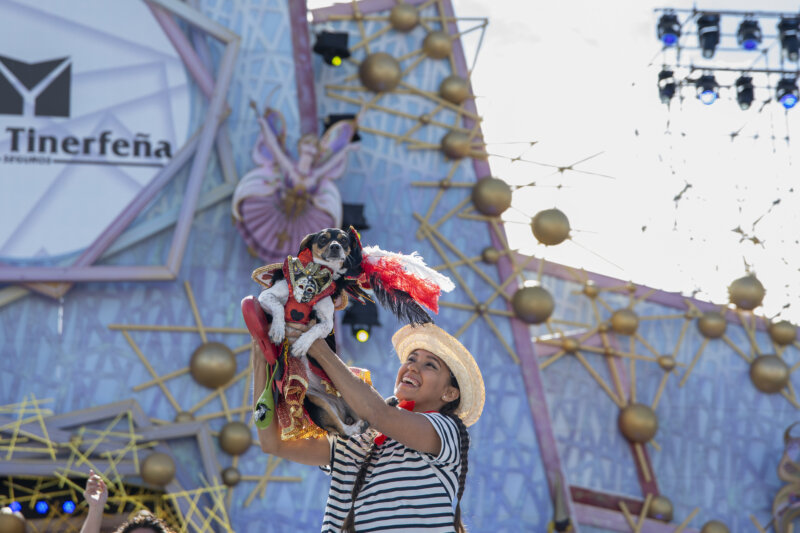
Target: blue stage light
x,y
15,506
42,507
68,507
789,101
707,89
669,29
749,34
787,93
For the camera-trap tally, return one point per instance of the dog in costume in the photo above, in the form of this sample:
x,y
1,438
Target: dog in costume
x,y
330,268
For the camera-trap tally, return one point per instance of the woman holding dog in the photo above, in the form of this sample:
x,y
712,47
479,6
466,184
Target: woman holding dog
x,y
411,476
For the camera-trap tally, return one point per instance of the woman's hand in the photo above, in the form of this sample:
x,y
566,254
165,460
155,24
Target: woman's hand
x,y
294,330
96,492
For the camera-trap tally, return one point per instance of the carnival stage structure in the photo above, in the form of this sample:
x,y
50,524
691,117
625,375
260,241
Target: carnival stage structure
x,y
156,152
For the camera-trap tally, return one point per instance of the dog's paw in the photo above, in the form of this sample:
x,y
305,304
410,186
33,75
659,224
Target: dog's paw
x,y
277,331
301,345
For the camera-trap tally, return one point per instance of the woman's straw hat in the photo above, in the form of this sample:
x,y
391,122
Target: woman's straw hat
x,y
437,341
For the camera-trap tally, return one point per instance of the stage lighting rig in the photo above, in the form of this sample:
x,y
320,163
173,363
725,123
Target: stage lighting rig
x,y
786,93
669,29
788,30
361,318
744,91
707,89
749,34
666,85
708,33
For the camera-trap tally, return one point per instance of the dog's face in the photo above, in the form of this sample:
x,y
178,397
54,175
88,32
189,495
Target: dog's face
x,y
329,247
332,414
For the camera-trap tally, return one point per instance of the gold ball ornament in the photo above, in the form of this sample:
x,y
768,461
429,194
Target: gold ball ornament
x,y
11,522
231,476
437,44
184,416
455,145
570,345
712,325
746,293
624,322
454,89
714,526
380,72
660,509
550,227
769,373
235,438
212,365
590,290
666,362
532,305
490,255
491,196
403,18
157,469
783,333
638,422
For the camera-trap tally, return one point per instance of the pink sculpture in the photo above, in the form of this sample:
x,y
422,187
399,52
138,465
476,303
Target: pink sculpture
x,y
282,200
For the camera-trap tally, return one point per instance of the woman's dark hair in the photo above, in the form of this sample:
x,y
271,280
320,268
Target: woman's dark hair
x,y
449,410
144,520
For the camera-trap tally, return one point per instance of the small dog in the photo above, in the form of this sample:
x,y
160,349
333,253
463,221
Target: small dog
x,y
304,290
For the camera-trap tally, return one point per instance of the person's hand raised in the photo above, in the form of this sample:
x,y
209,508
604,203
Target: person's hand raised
x,y
96,492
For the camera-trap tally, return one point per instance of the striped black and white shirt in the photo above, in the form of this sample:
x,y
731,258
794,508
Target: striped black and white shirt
x,y
404,490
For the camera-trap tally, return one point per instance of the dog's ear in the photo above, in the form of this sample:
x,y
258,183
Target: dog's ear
x,y
307,241
353,261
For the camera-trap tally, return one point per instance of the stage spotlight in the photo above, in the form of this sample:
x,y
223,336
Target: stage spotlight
x,y
361,319
788,29
68,507
353,215
749,34
669,29
15,506
707,89
708,34
666,86
787,92
41,507
744,91
332,46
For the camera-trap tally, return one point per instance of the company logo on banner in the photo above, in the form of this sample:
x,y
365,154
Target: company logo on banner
x,y
88,117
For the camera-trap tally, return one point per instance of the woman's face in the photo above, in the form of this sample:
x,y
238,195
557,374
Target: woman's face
x,y
425,379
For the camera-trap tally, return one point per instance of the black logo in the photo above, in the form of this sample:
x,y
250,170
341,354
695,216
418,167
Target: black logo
x,y
35,89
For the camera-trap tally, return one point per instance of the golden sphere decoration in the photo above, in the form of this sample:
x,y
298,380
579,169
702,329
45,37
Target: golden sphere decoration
x,y
231,476
638,422
660,509
570,345
212,364
746,293
437,44
380,72
11,522
490,255
666,362
532,305
454,89
769,373
491,196
235,438
550,227
456,145
157,469
590,290
712,325
783,333
624,322
184,416
714,526
403,17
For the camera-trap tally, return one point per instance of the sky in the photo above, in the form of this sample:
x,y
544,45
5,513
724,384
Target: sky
x,y
578,79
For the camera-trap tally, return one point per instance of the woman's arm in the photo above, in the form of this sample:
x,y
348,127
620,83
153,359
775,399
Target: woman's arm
x,y
410,429
96,495
316,452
